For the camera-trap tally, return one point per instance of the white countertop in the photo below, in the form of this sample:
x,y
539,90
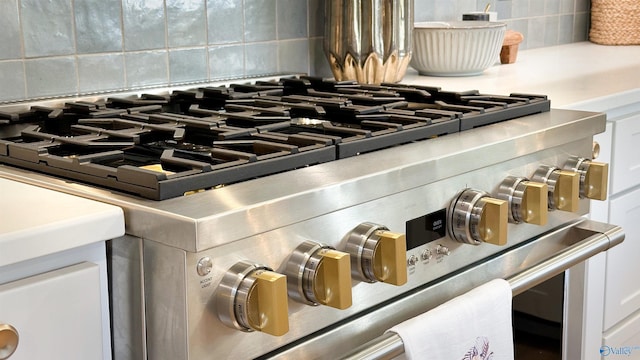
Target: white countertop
x,y
567,74
35,222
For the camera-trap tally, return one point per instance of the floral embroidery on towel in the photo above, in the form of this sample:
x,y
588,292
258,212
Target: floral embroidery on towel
x,y
480,351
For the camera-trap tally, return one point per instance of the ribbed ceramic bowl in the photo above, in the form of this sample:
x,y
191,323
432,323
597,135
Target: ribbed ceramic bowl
x,y
456,48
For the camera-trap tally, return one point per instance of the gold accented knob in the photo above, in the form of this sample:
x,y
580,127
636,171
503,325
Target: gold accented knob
x,y
563,187
535,203
567,191
318,274
492,226
268,307
594,177
8,340
596,181
377,254
527,200
475,218
332,285
388,265
252,297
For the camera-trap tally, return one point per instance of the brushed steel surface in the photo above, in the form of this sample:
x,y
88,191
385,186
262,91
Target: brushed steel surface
x,y
464,216
300,270
166,299
548,175
512,190
219,216
581,166
361,243
234,287
126,297
583,240
193,311
264,220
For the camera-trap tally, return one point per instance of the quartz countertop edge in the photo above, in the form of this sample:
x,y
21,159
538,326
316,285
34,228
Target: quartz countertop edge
x,y
568,74
36,222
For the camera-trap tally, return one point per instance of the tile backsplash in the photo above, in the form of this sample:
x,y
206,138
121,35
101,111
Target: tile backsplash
x,y
54,48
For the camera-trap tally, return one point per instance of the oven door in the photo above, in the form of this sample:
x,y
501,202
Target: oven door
x,y
525,266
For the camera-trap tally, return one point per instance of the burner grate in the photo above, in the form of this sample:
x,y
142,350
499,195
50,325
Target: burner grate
x,y
163,146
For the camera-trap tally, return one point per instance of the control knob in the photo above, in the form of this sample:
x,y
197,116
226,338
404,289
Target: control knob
x,y
442,250
318,274
593,177
377,254
563,187
253,297
475,218
527,200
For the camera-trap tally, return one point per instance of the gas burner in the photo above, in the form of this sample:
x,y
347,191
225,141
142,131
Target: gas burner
x,y
162,146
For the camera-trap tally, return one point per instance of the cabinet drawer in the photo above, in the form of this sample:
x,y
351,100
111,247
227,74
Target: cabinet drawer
x,y
57,314
622,289
626,146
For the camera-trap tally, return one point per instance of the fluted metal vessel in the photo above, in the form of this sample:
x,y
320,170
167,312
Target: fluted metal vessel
x,y
368,41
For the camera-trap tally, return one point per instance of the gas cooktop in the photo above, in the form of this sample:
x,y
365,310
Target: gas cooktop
x,y
160,146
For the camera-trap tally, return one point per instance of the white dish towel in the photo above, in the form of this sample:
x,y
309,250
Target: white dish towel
x,y
473,326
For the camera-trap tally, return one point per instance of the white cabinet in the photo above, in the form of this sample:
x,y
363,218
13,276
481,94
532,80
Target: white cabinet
x,y
618,289
53,273
623,340
57,315
622,287
626,146
622,290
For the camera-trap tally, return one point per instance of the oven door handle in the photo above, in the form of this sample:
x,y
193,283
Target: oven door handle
x,y
606,237
389,345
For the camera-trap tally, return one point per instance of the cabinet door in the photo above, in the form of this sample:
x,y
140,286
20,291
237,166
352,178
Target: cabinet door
x,y
623,340
622,289
57,314
626,147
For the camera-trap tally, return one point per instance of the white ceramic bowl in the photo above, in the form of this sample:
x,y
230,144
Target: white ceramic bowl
x,y
456,48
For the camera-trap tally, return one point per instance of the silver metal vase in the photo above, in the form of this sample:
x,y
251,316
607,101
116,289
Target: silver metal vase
x,y
368,40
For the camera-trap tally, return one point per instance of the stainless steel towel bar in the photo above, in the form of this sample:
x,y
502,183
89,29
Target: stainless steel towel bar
x,y
602,238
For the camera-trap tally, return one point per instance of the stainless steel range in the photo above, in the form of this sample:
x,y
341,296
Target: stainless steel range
x,y
299,217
